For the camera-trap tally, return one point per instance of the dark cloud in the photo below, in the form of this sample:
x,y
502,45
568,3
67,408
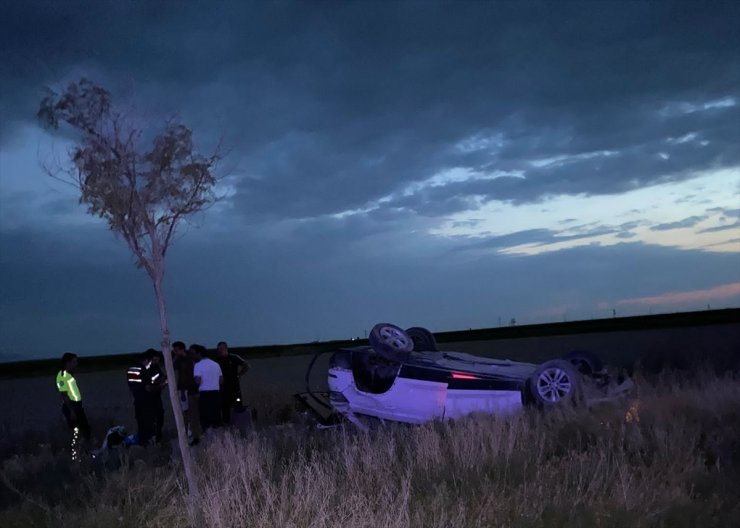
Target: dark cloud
x,y
735,225
686,222
725,212
625,230
329,108
630,225
534,237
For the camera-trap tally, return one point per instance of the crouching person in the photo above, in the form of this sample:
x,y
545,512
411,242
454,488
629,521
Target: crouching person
x,y
208,378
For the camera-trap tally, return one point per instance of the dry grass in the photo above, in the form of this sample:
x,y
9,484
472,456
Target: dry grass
x,y
668,457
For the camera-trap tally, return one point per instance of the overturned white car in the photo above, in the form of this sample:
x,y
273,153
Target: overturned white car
x,y
403,377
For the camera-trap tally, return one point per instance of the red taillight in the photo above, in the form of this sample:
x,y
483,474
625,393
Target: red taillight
x,y
460,375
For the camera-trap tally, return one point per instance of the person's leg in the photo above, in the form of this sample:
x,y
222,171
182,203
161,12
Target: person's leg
x,y
225,407
139,416
158,418
82,422
77,422
194,416
144,421
75,439
182,396
217,409
203,401
67,416
210,409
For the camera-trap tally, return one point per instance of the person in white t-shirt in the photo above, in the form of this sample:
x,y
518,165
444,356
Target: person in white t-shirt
x,y
208,378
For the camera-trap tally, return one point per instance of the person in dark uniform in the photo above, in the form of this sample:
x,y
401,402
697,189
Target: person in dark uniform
x,y
158,382
72,408
145,388
232,367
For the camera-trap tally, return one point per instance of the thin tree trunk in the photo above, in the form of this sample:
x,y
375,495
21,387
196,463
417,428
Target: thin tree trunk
x,y
182,435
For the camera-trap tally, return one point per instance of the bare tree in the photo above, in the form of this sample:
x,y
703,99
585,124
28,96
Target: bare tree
x,y
142,192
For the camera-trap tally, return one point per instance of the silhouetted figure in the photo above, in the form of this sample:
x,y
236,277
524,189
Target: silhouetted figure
x,y
232,368
159,381
187,390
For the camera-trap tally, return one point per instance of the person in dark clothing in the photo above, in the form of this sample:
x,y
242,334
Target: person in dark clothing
x,y
159,380
187,390
232,367
145,383
72,408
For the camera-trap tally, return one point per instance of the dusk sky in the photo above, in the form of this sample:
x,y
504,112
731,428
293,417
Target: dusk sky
x,y
442,164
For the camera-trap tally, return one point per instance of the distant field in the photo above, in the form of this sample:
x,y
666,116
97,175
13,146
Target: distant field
x,y
32,402
498,335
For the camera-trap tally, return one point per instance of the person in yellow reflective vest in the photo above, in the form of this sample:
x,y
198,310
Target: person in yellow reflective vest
x,y
72,408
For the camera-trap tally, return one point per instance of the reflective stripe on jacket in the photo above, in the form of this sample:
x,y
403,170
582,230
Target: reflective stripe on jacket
x,y
133,375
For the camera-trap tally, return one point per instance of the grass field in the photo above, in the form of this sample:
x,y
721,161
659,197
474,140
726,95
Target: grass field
x,y
667,457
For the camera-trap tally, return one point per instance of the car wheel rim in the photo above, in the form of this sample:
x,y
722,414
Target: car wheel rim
x,y
554,384
394,338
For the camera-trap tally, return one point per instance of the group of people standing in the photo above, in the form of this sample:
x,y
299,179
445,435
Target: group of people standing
x,y
208,390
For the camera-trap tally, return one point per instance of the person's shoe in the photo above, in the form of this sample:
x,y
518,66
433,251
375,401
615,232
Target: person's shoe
x,y
195,441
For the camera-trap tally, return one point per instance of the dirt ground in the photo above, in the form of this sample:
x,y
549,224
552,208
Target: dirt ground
x,y
32,403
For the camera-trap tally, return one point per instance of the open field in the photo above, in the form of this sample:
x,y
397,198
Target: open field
x,y
668,457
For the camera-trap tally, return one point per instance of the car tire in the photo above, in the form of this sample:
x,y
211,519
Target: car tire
x,y
423,339
390,342
556,382
585,362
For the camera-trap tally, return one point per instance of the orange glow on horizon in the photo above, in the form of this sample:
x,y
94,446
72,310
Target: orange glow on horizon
x,y
726,291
